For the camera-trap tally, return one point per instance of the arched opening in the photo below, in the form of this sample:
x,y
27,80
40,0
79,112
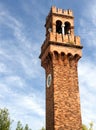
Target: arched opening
x,y
77,57
70,56
58,26
67,28
56,55
62,56
49,56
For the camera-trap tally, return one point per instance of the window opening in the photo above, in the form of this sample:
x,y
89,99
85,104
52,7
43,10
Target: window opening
x,y
58,26
67,28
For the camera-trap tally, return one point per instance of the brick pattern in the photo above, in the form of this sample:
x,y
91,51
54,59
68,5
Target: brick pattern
x,y
62,97
59,56
66,95
49,98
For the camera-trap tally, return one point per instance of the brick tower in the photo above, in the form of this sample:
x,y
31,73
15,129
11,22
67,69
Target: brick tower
x,y
59,56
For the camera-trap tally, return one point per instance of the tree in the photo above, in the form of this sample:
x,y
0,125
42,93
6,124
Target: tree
x,y
91,126
5,121
27,127
19,126
84,127
42,128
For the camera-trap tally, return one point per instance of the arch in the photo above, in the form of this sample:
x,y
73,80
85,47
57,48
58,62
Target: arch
x,y
50,56
67,27
58,26
56,55
77,57
70,56
62,56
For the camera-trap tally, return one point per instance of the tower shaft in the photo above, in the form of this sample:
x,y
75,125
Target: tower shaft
x,y
60,53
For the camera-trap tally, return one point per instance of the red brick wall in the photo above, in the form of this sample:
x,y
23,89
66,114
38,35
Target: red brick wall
x,y
62,97
67,115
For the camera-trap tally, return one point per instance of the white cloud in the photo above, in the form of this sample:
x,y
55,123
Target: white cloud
x,y
87,28
90,10
24,51
2,68
16,81
87,70
31,103
19,62
87,67
4,89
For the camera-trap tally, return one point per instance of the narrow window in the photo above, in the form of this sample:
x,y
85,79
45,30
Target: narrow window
x,y
56,55
58,26
67,28
62,55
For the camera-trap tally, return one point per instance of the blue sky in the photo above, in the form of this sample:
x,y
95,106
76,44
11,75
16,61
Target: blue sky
x,y
22,79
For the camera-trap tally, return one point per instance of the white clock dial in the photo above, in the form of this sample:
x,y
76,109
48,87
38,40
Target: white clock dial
x,y
49,79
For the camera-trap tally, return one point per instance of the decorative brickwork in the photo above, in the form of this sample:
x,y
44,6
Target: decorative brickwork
x,y
66,96
59,56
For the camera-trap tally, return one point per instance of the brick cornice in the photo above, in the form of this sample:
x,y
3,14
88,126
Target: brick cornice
x,y
60,44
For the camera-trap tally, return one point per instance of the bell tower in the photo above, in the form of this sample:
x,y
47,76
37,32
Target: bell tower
x,y
59,56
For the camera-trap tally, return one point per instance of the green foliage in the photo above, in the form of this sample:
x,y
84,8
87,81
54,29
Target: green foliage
x,y
42,128
20,127
84,127
91,126
27,127
5,121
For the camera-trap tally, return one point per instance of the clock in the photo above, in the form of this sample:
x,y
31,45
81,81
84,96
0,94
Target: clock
x,y
49,79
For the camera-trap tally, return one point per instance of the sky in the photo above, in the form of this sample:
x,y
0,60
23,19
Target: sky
x,y
22,79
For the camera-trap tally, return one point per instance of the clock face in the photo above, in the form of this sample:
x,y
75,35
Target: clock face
x,y
49,79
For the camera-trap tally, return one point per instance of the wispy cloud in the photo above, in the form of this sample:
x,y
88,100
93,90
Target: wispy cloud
x,y
87,85
18,66
87,28
87,67
22,49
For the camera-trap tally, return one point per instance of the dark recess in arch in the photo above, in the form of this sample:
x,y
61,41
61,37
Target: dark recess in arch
x,y
58,26
67,28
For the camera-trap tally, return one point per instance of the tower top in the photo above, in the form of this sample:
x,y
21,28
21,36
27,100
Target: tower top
x,y
60,12
60,33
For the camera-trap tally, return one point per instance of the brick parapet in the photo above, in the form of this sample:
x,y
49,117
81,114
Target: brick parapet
x,y
62,39
62,11
58,11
